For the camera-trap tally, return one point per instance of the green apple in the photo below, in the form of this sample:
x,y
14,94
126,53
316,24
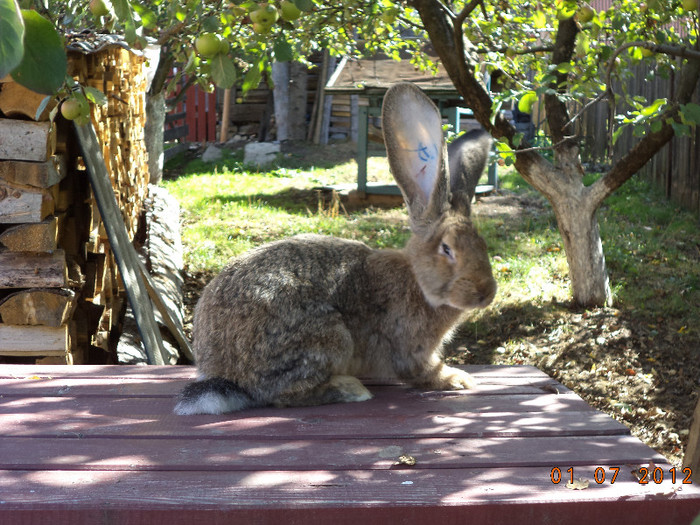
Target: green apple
x,y
207,45
690,5
585,14
261,29
99,8
527,101
646,52
265,14
72,108
289,11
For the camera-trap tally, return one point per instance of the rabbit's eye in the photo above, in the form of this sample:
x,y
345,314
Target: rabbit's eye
x,y
447,251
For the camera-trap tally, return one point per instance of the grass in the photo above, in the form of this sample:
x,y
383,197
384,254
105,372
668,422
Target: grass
x,y
229,208
652,247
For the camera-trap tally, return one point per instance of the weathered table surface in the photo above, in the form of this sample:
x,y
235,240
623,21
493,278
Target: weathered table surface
x,y
100,444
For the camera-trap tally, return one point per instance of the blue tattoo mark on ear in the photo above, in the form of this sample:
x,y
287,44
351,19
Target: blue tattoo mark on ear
x,y
426,153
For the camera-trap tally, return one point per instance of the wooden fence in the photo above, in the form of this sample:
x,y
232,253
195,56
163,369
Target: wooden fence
x,y
676,168
192,119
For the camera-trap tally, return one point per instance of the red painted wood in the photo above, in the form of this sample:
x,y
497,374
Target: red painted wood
x,y
168,387
505,495
191,114
100,444
231,453
201,98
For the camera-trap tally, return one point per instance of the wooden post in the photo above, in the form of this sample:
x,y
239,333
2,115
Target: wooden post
x,y
124,252
691,458
225,116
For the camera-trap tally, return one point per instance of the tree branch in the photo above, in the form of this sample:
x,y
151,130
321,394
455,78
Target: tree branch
x,y
557,113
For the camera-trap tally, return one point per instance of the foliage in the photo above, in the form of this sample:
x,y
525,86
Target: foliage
x,y
607,45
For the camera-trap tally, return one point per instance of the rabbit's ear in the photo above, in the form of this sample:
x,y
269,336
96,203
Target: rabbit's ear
x,y
416,149
468,156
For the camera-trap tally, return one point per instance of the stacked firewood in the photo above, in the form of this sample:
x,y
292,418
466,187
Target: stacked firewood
x,y
60,290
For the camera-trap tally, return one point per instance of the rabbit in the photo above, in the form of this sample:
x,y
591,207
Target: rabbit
x,y
296,321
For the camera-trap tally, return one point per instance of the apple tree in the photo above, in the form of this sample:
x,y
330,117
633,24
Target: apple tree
x,y
567,53
563,52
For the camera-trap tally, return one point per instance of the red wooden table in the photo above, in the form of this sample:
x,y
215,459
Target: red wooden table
x,y
100,444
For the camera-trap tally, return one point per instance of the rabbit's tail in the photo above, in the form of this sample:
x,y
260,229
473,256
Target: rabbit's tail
x,y
212,396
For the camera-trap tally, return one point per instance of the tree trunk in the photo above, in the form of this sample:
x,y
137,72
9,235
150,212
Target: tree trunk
x,y
153,135
280,78
290,95
578,225
298,96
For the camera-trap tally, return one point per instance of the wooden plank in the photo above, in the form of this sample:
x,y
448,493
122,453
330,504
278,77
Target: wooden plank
x,y
26,140
33,270
38,306
496,374
486,496
399,417
139,387
37,237
19,204
38,174
33,340
230,453
121,246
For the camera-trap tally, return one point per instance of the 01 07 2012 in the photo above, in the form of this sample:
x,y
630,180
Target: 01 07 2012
x,y
644,475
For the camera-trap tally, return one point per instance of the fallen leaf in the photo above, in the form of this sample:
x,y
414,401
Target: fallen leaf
x,y
578,484
406,460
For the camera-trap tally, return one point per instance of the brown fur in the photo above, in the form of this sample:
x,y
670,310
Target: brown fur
x,y
296,321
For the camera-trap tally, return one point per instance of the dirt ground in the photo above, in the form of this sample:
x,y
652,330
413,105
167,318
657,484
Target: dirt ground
x,y
640,371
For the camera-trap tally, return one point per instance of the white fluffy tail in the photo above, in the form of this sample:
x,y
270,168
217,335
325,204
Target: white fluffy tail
x,y
212,396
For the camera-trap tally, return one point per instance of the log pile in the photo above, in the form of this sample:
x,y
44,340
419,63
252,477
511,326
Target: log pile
x,y
60,290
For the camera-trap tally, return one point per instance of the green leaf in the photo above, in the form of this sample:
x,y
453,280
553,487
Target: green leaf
x,y
223,72
681,130
44,64
95,96
282,50
656,126
253,76
691,113
616,134
654,108
304,5
44,103
11,36
126,15
539,20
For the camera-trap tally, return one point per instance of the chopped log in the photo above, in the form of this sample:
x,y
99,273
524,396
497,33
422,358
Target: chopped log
x,y
39,174
25,140
20,204
47,307
33,270
18,101
38,237
34,340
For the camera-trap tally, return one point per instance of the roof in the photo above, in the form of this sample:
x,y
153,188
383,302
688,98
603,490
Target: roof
x,y
376,74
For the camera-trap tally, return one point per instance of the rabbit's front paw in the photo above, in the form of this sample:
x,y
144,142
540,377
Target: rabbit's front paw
x,y
453,379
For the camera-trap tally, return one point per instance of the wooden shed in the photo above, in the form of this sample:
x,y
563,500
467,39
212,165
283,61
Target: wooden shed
x,y
60,290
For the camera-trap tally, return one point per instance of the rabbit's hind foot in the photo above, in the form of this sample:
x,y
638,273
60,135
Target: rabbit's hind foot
x,y
449,378
339,389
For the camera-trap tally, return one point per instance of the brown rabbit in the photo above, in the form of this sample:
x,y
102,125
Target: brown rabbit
x,y
296,321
